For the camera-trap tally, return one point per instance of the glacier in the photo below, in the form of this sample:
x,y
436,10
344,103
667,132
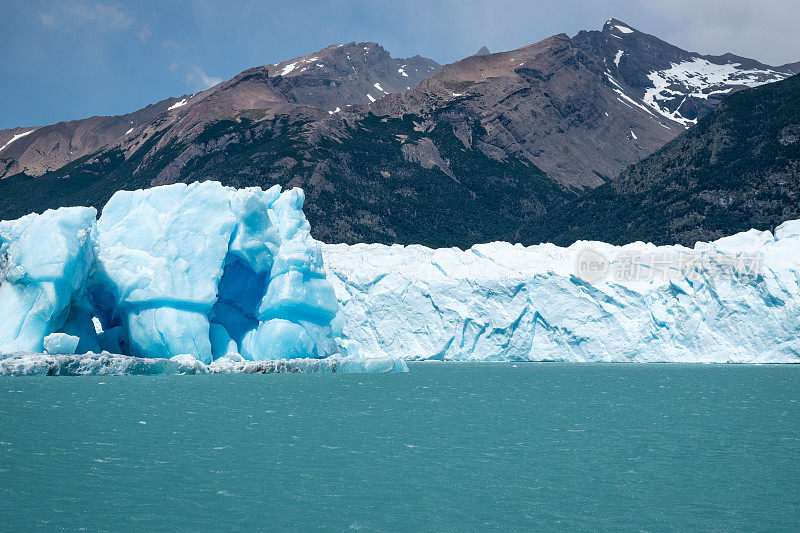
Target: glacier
x,y
500,302
45,261
198,273
204,278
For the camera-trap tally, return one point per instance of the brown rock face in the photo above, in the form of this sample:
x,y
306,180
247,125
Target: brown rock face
x,y
547,103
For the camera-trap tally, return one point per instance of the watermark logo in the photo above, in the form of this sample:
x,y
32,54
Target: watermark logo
x,y
593,266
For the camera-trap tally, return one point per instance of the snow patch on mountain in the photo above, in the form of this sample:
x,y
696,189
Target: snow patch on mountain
x,y
618,89
287,69
16,137
699,78
176,105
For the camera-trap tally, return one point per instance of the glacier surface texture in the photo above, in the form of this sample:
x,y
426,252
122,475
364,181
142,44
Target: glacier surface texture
x,y
197,271
733,300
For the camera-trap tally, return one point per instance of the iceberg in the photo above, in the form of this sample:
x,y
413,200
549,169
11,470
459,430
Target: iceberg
x,y
736,300
61,343
189,274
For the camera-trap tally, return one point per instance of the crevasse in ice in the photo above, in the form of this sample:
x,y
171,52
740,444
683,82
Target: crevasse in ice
x,y
201,270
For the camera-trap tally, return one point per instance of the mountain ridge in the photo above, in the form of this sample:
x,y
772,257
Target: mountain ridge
x,y
47,148
477,151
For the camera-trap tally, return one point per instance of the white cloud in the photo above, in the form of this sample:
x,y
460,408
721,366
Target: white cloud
x,y
106,16
48,19
144,34
199,80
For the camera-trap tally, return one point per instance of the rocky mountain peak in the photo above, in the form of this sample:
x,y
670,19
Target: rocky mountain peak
x,y
617,28
344,75
673,84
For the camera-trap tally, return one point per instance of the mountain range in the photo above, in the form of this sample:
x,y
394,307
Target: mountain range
x,y
403,150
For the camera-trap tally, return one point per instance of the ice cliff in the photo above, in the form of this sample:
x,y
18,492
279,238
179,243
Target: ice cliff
x,y
201,271
206,270
205,278
733,300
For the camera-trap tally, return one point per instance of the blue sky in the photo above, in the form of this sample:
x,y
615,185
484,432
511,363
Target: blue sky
x,y
71,59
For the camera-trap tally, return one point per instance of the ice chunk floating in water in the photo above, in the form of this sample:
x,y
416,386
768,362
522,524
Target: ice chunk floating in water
x,y
200,271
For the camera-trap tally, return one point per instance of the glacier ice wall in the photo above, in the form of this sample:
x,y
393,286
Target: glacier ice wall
x,y
201,270
44,263
202,274
500,301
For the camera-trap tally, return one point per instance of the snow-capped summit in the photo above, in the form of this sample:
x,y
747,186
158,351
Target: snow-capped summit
x,y
673,84
617,28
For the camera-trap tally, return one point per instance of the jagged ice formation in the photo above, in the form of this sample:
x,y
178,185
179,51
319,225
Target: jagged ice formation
x,y
216,279
196,270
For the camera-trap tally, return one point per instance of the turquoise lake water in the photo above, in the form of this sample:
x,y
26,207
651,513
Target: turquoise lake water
x,y
445,447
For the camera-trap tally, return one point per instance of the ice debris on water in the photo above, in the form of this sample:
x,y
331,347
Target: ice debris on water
x,y
107,364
